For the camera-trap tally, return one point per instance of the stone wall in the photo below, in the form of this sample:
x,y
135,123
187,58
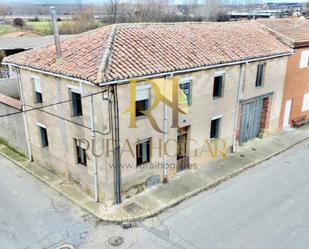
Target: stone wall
x,y
12,127
9,87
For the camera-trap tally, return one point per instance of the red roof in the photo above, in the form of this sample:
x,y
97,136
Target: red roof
x,y
123,51
292,31
10,101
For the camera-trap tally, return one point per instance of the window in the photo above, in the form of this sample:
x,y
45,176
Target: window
x,y
38,98
304,59
185,95
142,100
260,75
76,99
43,135
143,152
305,106
81,152
215,127
218,86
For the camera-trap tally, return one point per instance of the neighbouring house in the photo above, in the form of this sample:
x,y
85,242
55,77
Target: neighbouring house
x,y
295,33
12,130
17,42
89,121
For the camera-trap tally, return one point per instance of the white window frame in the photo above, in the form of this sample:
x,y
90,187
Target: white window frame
x,y
305,106
304,59
40,125
74,89
143,92
187,80
37,86
220,118
218,74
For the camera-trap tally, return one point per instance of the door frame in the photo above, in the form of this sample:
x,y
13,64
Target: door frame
x,y
287,115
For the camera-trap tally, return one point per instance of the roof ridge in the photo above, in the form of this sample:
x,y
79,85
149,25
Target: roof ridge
x,y
106,53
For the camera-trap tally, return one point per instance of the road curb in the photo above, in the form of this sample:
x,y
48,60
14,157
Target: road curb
x,y
151,213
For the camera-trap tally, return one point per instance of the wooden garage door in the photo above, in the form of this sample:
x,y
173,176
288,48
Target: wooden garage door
x,y
251,115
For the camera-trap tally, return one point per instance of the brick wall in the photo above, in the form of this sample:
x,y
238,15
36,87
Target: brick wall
x,y
296,85
267,102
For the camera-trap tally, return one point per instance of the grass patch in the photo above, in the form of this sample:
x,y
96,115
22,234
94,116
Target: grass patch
x,y
9,150
43,27
4,29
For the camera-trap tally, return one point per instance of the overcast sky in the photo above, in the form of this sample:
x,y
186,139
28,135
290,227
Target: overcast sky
x,y
175,1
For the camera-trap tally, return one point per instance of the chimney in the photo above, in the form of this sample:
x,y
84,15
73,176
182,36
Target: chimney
x,y
56,32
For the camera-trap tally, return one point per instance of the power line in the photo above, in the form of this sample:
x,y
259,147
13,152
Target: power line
x,y
49,105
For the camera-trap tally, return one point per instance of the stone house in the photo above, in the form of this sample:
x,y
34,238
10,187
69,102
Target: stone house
x,y
295,33
90,122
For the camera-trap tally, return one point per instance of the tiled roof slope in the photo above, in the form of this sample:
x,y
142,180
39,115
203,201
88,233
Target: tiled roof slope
x,y
293,31
124,51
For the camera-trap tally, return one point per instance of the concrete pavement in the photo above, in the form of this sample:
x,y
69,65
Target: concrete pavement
x,y
158,199
33,216
265,207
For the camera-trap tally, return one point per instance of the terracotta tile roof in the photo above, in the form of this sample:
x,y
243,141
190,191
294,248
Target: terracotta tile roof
x,y
292,31
10,101
124,51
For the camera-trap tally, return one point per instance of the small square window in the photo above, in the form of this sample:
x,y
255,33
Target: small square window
x,y
215,128
218,86
143,152
38,97
76,99
260,75
185,87
43,136
141,106
81,152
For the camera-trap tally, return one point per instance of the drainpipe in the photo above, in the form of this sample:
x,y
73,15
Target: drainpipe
x,y
94,161
165,124
116,146
242,77
25,121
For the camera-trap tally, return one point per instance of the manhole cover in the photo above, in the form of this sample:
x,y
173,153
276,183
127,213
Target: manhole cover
x,y
115,241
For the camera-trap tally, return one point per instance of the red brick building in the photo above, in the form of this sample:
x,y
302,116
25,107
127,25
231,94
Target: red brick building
x,y
295,33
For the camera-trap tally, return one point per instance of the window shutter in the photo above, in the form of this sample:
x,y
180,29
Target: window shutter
x,y
305,106
142,93
37,85
304,59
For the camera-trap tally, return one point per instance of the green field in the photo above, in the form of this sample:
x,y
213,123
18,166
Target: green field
x,y
43,27
4,29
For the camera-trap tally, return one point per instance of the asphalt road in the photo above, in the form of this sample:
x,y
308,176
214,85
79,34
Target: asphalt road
x,y
264,208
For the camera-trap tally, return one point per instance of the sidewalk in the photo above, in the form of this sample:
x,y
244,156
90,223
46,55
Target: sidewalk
x,y
157,199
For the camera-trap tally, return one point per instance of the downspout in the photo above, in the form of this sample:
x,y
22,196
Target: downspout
x,y
94,161
116,147
165,179
242,76
25,121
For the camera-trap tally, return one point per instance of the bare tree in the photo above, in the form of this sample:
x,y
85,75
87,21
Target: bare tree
x,y
4,11
114,6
